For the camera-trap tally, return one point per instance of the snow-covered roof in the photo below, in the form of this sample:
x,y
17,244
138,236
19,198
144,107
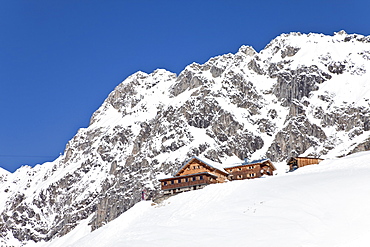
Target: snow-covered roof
x,y
213,164
307,158
256,161
247,163
291,159
206,161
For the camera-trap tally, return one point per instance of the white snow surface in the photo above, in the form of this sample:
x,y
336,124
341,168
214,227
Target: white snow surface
x,y
321,205
317,205
351,88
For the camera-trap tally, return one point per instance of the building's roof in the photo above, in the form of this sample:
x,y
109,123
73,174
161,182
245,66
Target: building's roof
x,y
293,158
257,161
188,175
207,162
248,163
308,158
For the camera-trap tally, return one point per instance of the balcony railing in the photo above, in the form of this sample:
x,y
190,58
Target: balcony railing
x,y
189,181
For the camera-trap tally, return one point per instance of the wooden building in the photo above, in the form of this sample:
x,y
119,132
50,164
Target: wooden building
x,y
248,170
194,174
297,162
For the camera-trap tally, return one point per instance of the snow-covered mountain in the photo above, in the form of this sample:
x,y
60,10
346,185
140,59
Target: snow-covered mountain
x,y
301,95
319,205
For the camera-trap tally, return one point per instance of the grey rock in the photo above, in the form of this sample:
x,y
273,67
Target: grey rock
x,y
217,110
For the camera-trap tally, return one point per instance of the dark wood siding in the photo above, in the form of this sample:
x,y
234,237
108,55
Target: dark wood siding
x,y
245,172
298,162
199,179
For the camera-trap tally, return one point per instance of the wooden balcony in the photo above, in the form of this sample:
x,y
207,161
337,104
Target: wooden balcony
x,y
190,180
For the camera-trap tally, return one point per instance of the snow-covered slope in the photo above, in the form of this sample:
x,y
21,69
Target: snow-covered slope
x,y
318,205
304,94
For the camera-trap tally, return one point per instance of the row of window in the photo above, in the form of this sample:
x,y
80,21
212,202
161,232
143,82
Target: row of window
x,y
251,175
241,168
185,180
193,167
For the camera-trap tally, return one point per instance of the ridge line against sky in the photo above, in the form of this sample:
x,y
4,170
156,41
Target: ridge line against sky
x,y
61,59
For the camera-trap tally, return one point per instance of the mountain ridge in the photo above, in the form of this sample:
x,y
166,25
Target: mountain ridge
x,y
294,97
309,206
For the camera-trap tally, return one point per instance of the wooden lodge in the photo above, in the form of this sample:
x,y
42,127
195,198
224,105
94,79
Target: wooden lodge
x,y
198,173
194,174
296,162
254,169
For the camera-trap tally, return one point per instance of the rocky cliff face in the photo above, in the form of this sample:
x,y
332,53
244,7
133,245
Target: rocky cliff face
x,y
301,95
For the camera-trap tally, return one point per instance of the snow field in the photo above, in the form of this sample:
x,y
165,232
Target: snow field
x,y
318,205
315,206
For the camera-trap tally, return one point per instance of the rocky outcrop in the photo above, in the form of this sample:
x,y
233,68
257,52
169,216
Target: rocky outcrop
x,y
296,84
295,138
283,101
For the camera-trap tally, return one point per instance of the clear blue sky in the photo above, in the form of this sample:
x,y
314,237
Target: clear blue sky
x,y
59,59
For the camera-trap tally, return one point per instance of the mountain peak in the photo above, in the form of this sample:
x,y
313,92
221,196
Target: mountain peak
x,y
301,95
341,32
247,50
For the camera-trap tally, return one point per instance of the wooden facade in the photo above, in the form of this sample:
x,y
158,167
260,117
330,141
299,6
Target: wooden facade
x,y
249,170
297,162
187,182
198,173
194,174
196,165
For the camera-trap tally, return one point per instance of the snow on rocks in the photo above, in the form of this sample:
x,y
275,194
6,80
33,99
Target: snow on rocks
x,y
304,94
318,205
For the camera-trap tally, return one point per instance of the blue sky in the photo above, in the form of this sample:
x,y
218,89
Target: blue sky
x,y
59,60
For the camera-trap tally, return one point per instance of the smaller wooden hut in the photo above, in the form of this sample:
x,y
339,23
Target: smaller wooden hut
x,y
296,162
248,170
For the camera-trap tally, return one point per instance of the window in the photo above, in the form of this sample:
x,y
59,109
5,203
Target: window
x,y
252,175
186,180
194,178
239,169
198,167
200,177
179,181
164,183
172,182
251,167
239,177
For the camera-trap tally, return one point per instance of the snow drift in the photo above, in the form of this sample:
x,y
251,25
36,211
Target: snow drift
x,y
318,205
303,94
